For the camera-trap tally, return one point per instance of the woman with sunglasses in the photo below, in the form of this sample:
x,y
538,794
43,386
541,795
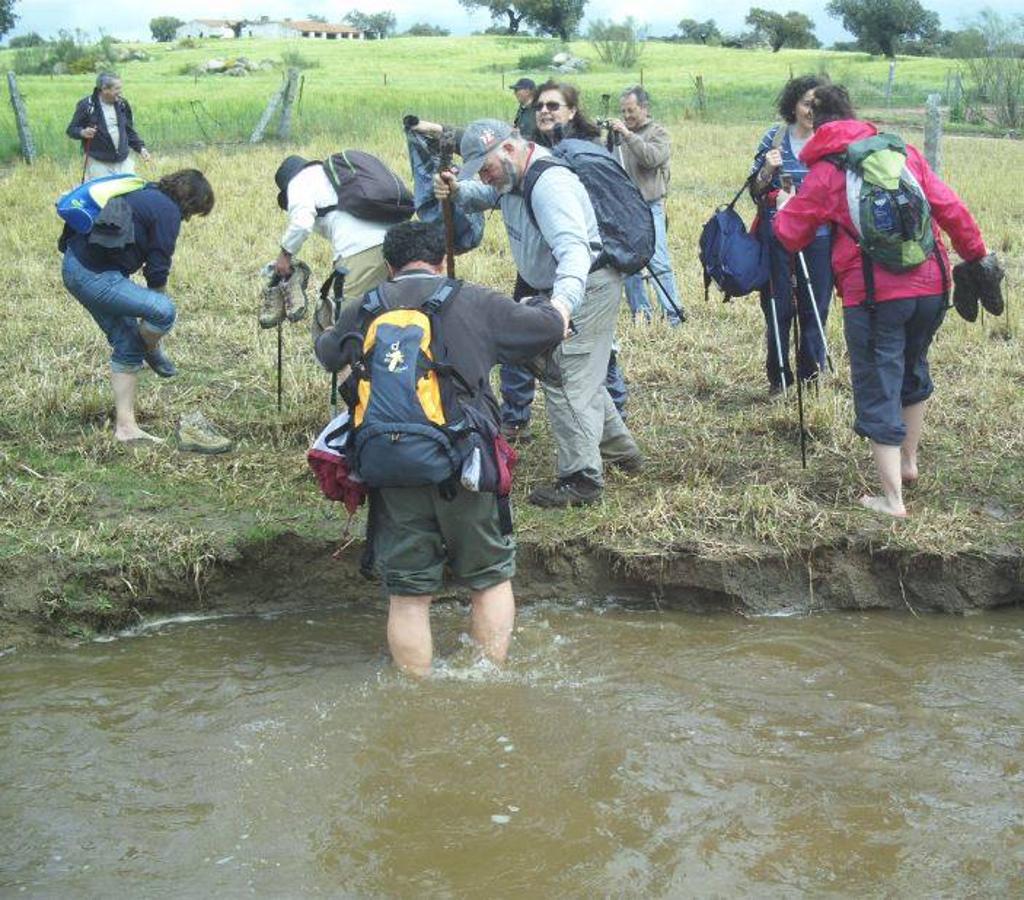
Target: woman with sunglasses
x,y
559,115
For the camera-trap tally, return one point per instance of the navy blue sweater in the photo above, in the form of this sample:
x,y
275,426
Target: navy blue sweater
x,y
157,220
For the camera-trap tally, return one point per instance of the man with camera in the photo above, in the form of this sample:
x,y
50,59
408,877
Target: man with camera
x,y
644,148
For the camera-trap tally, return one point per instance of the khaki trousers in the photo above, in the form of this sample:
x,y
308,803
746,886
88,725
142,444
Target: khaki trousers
x,y
584,422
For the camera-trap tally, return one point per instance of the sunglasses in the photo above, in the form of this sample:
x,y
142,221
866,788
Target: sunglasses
x,y
550,106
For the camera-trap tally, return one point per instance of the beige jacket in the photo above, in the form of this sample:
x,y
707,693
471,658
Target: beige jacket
x,y
645,154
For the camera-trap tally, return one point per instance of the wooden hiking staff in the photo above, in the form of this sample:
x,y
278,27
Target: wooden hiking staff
x,y
447,150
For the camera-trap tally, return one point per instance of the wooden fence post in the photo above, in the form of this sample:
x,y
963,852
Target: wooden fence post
x,y
933,131
889,83
28,147
272,104
284,129
702,98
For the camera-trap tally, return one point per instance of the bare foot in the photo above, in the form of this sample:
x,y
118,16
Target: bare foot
x,y
908,470
883,505
136,435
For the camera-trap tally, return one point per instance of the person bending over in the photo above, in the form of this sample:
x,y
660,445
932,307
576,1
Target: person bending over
x,y
135,318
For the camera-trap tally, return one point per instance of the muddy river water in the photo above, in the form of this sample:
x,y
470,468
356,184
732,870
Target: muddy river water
x,y
622,753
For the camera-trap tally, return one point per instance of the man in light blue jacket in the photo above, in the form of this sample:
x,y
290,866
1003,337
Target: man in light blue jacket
x,y
555,249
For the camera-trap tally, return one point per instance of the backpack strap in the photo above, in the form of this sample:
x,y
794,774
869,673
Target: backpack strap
x,y
533,173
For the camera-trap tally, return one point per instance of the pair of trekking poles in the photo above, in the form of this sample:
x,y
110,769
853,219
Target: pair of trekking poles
x,y
794,286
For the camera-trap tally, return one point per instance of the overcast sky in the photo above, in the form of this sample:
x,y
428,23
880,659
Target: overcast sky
x,y
130,18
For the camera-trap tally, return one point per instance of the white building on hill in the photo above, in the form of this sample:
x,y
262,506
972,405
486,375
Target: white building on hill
x,y
291,28
204,28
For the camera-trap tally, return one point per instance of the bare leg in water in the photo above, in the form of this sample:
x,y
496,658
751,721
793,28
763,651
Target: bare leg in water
x,y
490,625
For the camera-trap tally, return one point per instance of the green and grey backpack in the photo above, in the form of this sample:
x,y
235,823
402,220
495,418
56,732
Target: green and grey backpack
x,y
891,215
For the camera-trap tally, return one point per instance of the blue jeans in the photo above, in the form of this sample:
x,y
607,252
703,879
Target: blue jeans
x,y
811,358
661,266
424,163
117,303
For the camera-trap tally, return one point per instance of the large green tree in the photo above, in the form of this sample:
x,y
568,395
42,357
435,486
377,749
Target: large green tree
x,y
792,29
881,25
163,28
557,17
699,32
382,24
7,16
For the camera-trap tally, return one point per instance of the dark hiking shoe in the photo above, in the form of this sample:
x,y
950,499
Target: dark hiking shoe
x,y
629,464
965,291
988,276
576,490
517,433
196,434
160,362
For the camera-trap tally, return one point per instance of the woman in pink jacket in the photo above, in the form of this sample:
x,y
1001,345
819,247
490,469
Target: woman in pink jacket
x,y
888,322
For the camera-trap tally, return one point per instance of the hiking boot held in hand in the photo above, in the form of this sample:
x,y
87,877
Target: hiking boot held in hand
x,y
272,310
575,490
988,276
160,362
196,434
295,292
965,291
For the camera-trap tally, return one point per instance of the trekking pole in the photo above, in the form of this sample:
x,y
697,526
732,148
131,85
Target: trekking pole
x,y
85,159
817,314
280,353
679,313
446,204
778,342
339,294
799,380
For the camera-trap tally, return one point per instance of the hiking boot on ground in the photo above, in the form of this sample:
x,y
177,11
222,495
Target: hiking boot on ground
x,y
629,464
517,432
576,490
196,434
160,362
295,292
272,310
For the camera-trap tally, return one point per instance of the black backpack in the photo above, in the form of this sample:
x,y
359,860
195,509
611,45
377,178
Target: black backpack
x,y
367,188
624,219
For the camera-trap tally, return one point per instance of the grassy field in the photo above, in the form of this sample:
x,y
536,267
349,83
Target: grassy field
x,y
725,478
360,89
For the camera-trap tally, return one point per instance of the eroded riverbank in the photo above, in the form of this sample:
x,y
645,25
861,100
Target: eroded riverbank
x,y
42,604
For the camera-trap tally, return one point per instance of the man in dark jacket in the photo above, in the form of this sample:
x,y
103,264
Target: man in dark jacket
x,y
103,123
416,531
525,121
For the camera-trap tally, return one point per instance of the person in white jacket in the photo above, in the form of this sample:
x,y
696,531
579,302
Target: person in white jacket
x,y
311,203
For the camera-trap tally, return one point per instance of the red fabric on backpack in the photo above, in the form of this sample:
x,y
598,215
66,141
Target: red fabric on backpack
x,y
335,480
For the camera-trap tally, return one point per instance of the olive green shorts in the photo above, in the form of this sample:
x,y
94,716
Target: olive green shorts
x,y
417,534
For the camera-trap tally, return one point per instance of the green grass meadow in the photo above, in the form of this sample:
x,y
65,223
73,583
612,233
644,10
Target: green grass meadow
x,y
357,90
724,479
